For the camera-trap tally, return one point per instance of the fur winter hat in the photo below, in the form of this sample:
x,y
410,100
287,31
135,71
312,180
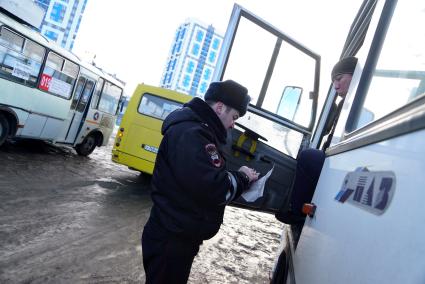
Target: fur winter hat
x,y
230,93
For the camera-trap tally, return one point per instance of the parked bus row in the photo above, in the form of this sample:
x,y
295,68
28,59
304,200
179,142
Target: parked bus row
x,y
47,93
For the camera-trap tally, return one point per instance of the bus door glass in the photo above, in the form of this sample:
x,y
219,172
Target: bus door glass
x,y
282,77
77,113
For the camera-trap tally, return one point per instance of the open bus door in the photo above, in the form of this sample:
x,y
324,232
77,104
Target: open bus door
x,y
282,77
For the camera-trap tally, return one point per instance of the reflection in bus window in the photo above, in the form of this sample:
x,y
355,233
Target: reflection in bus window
x,y
399,76
20,58
157,107
110,98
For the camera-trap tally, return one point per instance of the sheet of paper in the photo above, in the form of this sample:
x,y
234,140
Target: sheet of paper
x,y
256,189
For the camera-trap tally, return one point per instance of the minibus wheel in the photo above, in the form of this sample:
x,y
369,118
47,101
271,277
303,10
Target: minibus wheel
x,y
86,147
4,129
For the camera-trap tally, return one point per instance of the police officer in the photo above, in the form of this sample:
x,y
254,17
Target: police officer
x,y
190,184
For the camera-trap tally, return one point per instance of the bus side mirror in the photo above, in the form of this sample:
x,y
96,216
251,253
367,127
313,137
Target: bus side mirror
x,y
289,102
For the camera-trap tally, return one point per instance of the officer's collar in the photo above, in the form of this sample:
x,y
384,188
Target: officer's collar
x,y
207,115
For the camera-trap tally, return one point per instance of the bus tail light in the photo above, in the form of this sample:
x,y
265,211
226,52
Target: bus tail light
x,y
119,136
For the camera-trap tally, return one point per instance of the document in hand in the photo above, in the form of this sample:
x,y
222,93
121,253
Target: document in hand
x,y
256,189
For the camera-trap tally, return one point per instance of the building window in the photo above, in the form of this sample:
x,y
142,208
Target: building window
x,y
51,34
203,87
58,12
216,43
43,3
195,49
182,33
212,56
179,45
207,74
190,67
78,24
199,36
84,6
186,81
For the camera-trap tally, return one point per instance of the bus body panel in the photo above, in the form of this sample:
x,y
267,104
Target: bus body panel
x,y
343,243
51,128
139,135
33,100
104,125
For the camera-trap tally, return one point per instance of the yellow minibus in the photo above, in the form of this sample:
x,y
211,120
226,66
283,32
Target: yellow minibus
x,y
139,135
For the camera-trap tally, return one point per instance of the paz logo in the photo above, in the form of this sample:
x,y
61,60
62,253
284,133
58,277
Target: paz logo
x,y
368,190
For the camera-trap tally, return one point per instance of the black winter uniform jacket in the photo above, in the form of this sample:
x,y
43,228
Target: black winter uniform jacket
x,y
191,185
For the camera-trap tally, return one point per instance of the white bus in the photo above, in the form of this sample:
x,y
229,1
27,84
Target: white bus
x,y
365,220
48,93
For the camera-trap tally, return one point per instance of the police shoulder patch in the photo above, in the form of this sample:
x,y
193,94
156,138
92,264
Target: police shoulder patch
x,y
215,157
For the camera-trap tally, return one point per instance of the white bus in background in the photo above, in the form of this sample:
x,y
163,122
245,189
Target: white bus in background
x,y
48,93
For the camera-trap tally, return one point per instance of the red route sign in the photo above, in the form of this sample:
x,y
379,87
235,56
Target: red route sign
x,y
45,82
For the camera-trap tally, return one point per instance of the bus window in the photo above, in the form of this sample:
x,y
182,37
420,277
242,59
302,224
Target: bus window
x,y
110,98
96,95
58,76
78,91
399,76
70,68
157,107
85,96
20,58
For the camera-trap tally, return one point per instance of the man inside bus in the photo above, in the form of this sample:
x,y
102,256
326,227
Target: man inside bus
x,y
191,185
310,161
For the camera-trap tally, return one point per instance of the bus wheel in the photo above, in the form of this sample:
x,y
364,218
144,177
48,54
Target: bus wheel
x,y
87,146
4,129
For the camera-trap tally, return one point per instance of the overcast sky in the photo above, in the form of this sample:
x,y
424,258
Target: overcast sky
x,y
132,38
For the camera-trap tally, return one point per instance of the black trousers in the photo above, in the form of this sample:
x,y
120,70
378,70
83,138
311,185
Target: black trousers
x,y
309,166
167,258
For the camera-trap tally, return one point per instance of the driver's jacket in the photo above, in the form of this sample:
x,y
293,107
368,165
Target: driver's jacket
x,y
190,184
